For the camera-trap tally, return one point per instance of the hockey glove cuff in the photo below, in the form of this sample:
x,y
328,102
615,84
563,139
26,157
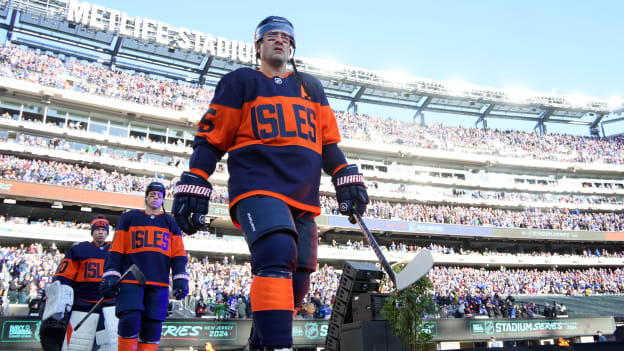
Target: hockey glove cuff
x,y
190,202
109,288
350,191
180,286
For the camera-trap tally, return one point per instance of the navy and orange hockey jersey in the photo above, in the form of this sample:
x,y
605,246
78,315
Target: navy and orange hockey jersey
x,y
275,136
82,269
152,242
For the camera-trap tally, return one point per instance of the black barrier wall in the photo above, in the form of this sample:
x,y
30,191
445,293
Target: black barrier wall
x,y
605,346
22,332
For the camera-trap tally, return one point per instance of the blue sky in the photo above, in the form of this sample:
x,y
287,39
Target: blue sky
x,y
573,47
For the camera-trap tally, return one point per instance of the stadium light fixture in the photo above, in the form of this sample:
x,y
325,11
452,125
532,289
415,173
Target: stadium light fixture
x,y
57,205
327,65
9,201
616,104
578,99
457,87
518,94
397,77
86,209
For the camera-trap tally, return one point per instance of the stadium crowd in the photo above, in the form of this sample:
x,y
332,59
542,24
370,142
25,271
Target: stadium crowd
x,y
63,72
54,143
72,175
69,73
458,291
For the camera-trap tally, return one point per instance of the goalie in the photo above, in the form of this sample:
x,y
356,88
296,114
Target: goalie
x,y
73,292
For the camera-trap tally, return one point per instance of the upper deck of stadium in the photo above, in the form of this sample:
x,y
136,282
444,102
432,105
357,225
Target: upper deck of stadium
x,y
126,41
409,156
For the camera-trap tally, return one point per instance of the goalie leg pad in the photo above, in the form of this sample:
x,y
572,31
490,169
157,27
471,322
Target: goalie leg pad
x,y
106,338
60,298
81,339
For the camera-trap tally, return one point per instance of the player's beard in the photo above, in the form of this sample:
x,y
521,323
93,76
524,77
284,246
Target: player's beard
x,y
277,60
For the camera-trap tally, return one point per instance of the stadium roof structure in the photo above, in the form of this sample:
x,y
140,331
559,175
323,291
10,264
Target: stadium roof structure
x,y
112,38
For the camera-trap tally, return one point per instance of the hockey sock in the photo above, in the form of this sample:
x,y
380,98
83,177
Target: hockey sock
x,y
125,344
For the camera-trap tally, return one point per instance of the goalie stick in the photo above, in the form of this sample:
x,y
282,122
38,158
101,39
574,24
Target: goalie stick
x,y
415,269
138,275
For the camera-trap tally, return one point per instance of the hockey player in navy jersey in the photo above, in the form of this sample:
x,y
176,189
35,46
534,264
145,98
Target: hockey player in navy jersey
x,y
152,240
279,132
76,284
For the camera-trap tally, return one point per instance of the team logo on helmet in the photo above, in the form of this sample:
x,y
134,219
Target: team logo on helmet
x,y
99,222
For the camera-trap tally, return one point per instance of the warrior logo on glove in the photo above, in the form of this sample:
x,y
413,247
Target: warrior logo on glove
x,y
190,202
350,191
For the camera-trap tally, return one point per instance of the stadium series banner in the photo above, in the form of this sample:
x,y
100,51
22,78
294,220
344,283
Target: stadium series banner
x,y
547,234
466,230
22,332
151,31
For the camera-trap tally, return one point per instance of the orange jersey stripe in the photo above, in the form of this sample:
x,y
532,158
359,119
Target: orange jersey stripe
x,y
271,294
276,121
219,131
291,202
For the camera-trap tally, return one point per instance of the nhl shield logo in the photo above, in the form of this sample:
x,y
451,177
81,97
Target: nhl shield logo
x,y
311,330
277,80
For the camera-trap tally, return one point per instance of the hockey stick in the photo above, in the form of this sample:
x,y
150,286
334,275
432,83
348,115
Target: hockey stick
x,y
137,274
415,269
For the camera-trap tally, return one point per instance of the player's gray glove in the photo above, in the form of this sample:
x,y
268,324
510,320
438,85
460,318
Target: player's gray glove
x,y
190,202
350,191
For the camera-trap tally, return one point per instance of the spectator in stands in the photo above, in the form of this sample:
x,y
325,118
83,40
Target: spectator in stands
x,y
34,306
241,308
14,286
600,337
220,307
200,308
24,289
309,308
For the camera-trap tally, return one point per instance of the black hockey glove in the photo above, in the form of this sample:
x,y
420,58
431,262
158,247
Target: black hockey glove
x,y
180,288
52,333
350,191
109,288
190,202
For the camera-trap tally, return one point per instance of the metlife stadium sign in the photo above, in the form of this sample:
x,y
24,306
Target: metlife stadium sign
x,y
157,32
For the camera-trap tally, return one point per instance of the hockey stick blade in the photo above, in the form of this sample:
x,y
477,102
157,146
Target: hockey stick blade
x,y
136,272
416,269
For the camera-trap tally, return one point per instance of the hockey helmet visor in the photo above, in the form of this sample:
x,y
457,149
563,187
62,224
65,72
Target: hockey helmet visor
x,y
275,23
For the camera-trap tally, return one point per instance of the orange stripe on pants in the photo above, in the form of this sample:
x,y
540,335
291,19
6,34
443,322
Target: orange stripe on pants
x,y
269,293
